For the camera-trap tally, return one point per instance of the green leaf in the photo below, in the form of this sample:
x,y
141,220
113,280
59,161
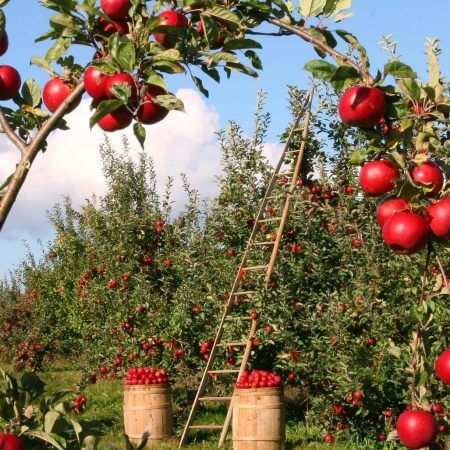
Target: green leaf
x,y
237,44
50,419
410,88
103,109
57,441
358,157
168,55
323,70
198,82
334,7
140,133
122,91
77,428
343,77
254,59
64,20
353,41
224,56
154,78
224,15
169,101
126,55
43,64
312,8
399,159
399,70
58,49
434,70
31,93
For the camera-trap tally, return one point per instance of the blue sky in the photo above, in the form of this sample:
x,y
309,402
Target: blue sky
x,y
283,58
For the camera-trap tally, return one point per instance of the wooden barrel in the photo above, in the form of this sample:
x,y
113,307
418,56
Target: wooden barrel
x,y
258,419
148,408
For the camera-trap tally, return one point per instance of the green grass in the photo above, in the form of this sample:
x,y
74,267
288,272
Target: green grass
x,y
105,404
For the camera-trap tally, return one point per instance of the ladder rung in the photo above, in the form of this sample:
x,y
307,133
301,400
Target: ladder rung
x,y
233,344
230,318
224,371
244,293
284,174
206,427
291,151
277,197
257,267
264,243
215,399
270,219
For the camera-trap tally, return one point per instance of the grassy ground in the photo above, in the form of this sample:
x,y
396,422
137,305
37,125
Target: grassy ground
x,y
105,404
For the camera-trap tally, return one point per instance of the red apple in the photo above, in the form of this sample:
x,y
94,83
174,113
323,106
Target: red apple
x,y
362,106
116,9
121,26
55,92
10,442
171,19
149,112
220,39
406,233
378,177
438,217
116,120
429,174
442,367
389,207
4,43
416,429
95,82
329,438
121,78
9,82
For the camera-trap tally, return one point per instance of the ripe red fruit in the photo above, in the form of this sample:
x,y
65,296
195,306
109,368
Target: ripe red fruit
x,y
362,106
429,174
116,120
220,39
231,252
438,218
4,43
371,341
389,207
254,315
121,78
357,395
442,367
9,82
10,442
378,177
149,112
55,92
95,82
329,438
116,9
416,429
381,436
356,243
406,233
171,19
292,376
121,26
112,283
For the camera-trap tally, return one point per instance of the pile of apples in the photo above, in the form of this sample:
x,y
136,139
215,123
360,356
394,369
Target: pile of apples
x,y
405,229
146,375
258,379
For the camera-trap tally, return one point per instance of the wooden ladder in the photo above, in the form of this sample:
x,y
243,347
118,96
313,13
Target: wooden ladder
x,y
266,269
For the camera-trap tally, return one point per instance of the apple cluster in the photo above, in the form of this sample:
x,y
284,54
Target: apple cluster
x,y
406,228
79,404
258,379
146,375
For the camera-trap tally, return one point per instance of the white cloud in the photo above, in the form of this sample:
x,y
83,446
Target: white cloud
x,y
183,142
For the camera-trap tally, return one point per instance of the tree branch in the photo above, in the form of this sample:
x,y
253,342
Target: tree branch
x,y
30,151
12,136
339,57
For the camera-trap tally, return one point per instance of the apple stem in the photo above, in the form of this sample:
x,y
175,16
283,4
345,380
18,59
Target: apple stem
x,y
29,151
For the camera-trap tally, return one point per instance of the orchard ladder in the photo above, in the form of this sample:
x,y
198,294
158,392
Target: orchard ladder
x,y
265,269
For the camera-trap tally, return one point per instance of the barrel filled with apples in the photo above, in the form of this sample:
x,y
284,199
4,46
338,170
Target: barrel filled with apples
x,y
258,412
147,406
